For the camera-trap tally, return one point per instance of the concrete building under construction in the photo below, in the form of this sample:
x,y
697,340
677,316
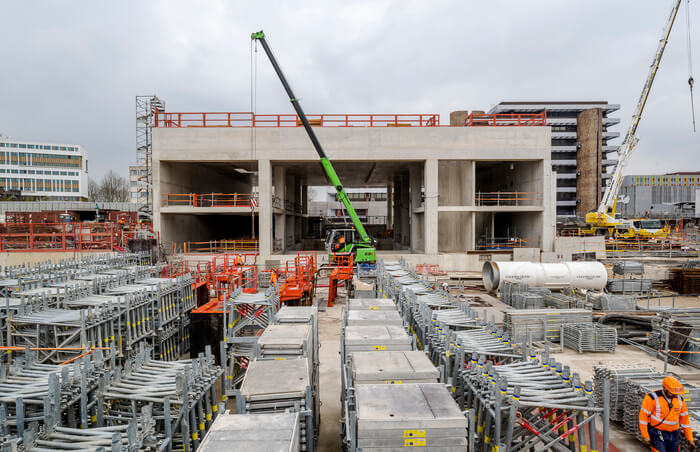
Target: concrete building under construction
x,y
454,189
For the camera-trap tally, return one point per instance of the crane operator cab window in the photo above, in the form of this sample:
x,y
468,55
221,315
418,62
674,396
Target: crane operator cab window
x,y
340,240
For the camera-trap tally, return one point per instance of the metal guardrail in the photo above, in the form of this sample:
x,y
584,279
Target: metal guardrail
x,y
249,119
221,246
507,119
507,198
210,199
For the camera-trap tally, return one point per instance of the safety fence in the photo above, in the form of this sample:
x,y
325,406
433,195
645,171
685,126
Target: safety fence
x,y
217,246
210,200
507,198
59,237
248,119
506,119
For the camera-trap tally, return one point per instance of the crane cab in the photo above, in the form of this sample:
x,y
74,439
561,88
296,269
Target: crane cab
x,y
347,241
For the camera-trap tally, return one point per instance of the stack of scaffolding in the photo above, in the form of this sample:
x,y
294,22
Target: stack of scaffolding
x,y
415,410
394,417
375,338
278,386
71,390
611,302
542,324
526,405
590,337
525,300
253,432
618,376
181,395
390,368
682,326
365,318
561,301
246,315
137,434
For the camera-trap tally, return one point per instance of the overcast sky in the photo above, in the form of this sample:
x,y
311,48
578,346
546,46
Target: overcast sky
x,y
70,70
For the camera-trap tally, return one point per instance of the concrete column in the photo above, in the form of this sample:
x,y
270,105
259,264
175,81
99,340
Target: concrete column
x,y
265,208
389,206
304,196
404,210
396,215
430,177
298,199
415,181
280,192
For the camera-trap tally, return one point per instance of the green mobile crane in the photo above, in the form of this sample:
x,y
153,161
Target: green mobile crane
x,y
356,240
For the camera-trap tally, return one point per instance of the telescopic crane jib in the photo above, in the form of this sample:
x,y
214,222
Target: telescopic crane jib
x,y
360,244
604,217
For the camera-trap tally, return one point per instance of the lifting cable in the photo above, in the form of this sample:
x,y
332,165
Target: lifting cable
x,y
253,95
691,81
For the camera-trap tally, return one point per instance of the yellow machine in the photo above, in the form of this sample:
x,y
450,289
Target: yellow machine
x,y
604,220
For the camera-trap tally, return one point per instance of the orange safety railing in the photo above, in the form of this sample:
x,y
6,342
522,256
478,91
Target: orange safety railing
x,y
59,237
508,198
248,119
220,246
507,119
210,199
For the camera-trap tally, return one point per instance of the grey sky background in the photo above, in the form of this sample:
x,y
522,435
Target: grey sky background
x,y
70,70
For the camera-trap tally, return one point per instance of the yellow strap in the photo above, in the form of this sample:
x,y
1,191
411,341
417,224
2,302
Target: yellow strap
x,y
215,408
201,426
195,436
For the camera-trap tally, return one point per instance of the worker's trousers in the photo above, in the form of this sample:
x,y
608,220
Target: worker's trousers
x,y
662,441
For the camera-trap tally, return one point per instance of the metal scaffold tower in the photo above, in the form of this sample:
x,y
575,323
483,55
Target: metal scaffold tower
x,y
146,107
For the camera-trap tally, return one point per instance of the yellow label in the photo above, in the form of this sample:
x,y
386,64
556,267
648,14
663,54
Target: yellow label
x,y
93,418
215,408
201,426
414,442
414,433
280,359
223,398
394,382
208,417
195,436
373,308
378,347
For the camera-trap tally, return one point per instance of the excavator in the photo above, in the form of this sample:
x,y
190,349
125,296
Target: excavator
x,y
605,220
355,240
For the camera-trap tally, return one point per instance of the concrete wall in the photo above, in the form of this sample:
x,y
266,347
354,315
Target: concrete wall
x,y
439,189
456,182
589,160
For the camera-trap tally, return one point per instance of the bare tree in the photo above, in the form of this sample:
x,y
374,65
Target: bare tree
x,y
112,188
93,190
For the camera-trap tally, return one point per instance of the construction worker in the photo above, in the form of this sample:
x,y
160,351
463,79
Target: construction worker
x,y
273,278
662,413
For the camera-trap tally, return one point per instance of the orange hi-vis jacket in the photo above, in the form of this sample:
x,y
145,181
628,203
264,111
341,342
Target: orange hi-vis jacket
x,y
657,413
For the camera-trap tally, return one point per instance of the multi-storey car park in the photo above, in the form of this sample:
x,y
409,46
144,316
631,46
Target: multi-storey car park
x,y
581,149
45,171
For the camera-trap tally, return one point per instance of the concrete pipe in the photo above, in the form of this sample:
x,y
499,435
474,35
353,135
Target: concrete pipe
x,y
579,275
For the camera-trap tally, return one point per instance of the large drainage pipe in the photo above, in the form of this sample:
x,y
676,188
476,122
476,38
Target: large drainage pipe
x,y
579,275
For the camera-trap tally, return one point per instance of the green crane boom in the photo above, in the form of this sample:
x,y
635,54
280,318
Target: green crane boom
x,y
365,241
